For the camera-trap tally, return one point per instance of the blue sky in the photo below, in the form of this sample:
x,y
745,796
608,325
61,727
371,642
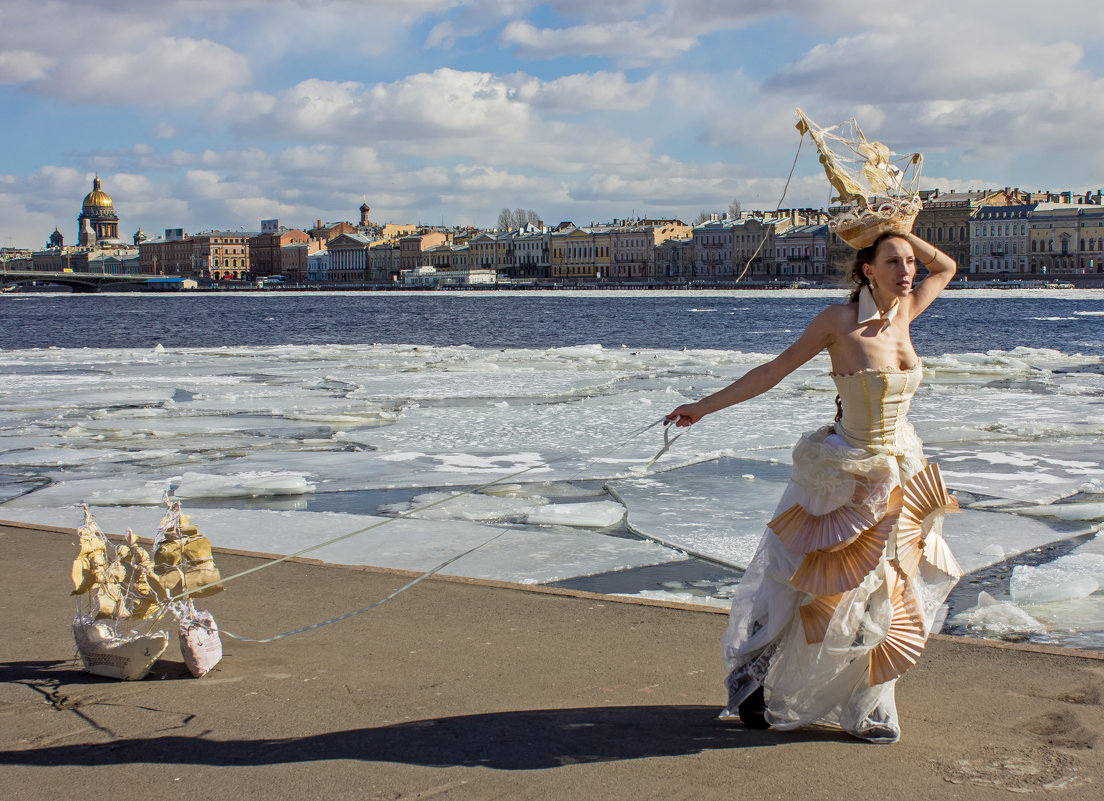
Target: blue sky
x,y
219,113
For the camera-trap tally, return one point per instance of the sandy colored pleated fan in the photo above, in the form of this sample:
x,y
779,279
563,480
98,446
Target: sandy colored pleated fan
x,y
832,572
938,553
903,643
910,546
816,615
802,532
924,493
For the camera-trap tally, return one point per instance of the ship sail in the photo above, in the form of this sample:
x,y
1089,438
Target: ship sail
x,y
876,189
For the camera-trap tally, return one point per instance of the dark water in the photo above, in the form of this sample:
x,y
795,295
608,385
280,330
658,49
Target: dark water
x,y
756,322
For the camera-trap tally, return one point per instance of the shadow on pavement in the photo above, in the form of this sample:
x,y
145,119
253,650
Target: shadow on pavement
x,y
515,740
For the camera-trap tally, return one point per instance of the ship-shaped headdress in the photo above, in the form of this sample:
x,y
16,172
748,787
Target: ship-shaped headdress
x,y
876,189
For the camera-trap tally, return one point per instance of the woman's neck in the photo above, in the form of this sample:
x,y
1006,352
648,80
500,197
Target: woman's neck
x,y
883,300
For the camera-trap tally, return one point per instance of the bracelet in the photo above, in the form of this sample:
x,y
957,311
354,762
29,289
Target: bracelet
x,y
935,255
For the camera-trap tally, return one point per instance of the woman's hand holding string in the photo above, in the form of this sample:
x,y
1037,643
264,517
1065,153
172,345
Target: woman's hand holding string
x,y
685,415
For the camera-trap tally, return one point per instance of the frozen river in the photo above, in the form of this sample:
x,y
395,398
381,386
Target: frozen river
x,y
290,429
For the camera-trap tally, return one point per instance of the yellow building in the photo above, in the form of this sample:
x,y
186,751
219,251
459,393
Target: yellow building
x,y
1066,238
601,242
394,230
488,250
579,254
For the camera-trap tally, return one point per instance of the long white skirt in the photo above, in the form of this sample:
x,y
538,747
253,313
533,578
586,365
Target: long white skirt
x,y
765,642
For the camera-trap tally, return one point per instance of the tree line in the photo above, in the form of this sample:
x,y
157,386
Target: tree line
x,y
517,218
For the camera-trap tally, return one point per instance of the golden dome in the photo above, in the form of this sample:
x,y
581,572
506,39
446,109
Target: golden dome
x,y
97,198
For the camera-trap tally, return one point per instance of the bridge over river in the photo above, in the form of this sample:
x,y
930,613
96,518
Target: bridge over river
x,y
79,281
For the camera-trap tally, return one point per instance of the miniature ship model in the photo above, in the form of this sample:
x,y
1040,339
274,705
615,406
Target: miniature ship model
x,y
876,189
183,556
112,585
121,584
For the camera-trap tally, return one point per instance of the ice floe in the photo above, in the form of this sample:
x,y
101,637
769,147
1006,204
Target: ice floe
x,y
991,616
1075,575
530,556
1019,435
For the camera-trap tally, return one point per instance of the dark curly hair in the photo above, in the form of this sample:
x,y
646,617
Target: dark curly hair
x,y
866,256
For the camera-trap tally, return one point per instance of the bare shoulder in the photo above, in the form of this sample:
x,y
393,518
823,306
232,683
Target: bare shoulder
x,y
838,316
826,328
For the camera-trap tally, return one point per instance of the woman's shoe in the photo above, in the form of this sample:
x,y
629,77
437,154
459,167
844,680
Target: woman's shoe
x,y
753,710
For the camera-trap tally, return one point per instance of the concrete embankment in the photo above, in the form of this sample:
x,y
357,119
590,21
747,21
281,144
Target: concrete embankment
x,y
462,689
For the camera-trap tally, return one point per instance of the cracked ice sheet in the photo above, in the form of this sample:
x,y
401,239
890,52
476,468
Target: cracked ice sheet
x,y
186,486
1078,622
720,510
474,439
527,556
1029,472
717,509
567,430
326,471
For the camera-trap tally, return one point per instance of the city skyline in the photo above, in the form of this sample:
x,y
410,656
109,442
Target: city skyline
x,y
200,116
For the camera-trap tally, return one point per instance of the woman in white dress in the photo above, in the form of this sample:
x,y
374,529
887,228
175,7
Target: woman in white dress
x,y
849,577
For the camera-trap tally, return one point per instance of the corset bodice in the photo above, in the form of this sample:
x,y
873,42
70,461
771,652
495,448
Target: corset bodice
x,y
875,405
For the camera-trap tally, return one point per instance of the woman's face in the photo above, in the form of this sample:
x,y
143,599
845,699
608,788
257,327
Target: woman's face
x,y
893,268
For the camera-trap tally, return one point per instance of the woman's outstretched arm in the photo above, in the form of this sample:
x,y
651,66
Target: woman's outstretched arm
x,y
816,337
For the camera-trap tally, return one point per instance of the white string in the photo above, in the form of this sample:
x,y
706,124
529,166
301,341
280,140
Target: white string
x,y
776,208
667,442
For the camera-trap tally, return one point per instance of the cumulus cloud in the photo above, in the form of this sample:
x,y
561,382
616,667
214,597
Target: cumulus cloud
x,y
299,184
451,114
162,130
596,91
643,32
17,66
168,72
132,52
632,43
444,103
895,68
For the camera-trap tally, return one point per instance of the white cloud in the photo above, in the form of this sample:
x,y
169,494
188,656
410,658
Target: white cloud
x,y
17,66
299,184
167,72
632,43
450,114
134,52
162,130
596,91
895,68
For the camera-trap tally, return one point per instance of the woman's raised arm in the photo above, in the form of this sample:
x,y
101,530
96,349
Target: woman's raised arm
x,y
941,269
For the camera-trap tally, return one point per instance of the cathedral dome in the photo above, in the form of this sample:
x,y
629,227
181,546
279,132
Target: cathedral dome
x,y
97,198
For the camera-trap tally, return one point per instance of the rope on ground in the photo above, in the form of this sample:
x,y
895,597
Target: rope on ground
x,y
370,606
668,440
